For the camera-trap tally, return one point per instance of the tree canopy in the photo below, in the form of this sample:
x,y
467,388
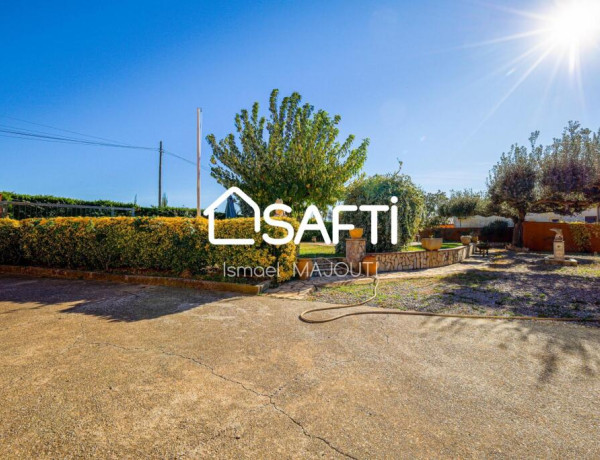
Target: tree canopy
x,y
378,190
464,203
294,155
563,177
432,213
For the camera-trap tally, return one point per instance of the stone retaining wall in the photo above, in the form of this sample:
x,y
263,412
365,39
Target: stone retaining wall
x,y
412,260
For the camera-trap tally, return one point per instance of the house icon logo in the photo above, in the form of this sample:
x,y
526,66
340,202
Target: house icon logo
x,y
311,214
210,213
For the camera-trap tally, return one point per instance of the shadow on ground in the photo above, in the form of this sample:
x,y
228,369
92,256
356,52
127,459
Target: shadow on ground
x,y
560,342
523,285
111,301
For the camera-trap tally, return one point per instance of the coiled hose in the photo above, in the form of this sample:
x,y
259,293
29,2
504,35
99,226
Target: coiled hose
x,y
389,311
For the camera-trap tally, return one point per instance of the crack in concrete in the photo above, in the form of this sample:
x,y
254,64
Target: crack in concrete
x,y
272,403
387,337
77,338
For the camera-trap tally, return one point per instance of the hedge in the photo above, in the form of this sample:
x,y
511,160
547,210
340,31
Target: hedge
x,y
50,212
172,245
310,234
10,238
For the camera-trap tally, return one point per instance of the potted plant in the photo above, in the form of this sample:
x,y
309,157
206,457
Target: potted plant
x,y
466,239
305,267
431,243
369,265
356,233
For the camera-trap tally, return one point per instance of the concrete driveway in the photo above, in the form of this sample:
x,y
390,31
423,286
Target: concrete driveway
x,y
108,370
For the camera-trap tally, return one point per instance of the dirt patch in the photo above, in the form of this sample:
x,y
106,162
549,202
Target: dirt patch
x,y
510,285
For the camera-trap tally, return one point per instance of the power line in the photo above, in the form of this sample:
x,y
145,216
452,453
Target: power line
x,y
184,159
30,135
179,156
8,131
61,129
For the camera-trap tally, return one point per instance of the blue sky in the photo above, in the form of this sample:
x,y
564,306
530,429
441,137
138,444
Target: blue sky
x,y
404,74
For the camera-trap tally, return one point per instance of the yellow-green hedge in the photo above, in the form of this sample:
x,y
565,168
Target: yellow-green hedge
x,y
171,244
10,238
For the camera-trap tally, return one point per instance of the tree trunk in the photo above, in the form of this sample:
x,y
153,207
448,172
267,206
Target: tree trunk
x,y
517,240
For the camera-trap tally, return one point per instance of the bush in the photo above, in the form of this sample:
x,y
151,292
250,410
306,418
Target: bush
x,y
308,235
28,212
582,235
494,231
171,245
10,238
379,189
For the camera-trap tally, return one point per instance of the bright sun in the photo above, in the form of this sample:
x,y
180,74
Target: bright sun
x,y
571,27
567,31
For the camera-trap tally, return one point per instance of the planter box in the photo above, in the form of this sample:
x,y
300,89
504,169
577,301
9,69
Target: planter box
x,y
432,244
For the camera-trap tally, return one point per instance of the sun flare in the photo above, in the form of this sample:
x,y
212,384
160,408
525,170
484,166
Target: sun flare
x,y
566,32
572,27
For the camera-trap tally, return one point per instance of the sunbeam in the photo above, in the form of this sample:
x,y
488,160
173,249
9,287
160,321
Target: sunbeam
x,y
513,88
569,30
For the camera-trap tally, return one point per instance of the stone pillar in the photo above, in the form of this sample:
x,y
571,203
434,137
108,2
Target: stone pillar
x,y
559,244
356,249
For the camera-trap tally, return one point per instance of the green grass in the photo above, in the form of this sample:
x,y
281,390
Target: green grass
x,y
420,248
321,250
317,250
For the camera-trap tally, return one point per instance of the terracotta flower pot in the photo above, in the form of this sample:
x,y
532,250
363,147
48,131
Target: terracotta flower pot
x,y
305,268
356,233
432,244
465,239
369,265
475,239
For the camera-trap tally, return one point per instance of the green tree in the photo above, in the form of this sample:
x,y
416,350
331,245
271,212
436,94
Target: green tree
x,y
570,171
512,185
294,155
434,203
379,189
563,177
463,204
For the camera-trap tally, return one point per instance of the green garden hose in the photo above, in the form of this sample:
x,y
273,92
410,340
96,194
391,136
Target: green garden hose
x,y
389,311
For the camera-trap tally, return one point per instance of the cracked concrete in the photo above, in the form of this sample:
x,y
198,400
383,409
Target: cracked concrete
x,y
103,370
227,379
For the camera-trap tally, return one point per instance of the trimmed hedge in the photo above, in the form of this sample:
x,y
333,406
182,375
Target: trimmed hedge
x,y
10,238
170,244
31,212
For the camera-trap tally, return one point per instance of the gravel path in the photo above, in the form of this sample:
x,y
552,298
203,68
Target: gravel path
x,y
511,285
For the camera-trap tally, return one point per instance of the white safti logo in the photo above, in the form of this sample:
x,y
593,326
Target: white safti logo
x,y
311,213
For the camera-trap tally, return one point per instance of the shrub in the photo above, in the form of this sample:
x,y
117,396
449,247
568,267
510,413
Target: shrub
x,y
9,241
494,231
29,212
378,189
582,235
165,244
308,235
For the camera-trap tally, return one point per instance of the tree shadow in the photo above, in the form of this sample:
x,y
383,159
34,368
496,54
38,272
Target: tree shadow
x,y
562,345
110,301
521,285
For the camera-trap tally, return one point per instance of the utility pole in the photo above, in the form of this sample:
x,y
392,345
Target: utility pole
x,y
160,155
198,151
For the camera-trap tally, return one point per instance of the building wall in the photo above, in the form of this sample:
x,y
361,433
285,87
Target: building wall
x,y
481,221
552,217
478,221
